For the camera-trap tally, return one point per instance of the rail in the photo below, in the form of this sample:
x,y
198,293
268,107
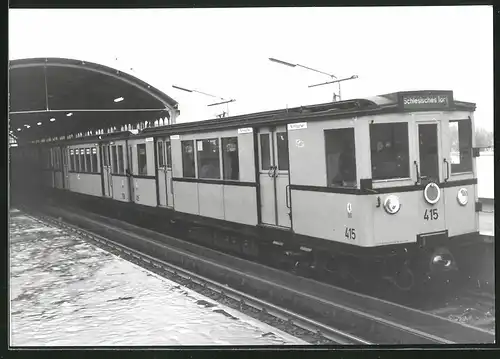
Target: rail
x,y
345,317
317,331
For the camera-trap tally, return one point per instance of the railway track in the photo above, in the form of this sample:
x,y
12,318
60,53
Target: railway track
x,y
325,313
299,326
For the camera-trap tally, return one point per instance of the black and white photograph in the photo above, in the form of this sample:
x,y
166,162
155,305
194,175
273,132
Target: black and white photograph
x,y
251,177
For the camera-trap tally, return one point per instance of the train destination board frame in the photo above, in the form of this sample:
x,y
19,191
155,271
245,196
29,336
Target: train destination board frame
x,y
425,100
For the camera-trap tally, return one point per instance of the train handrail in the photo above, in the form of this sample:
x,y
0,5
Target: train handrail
x,y
447,169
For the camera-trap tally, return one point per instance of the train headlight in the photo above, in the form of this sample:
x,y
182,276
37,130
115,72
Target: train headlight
x,y
463,196
432,193
392,204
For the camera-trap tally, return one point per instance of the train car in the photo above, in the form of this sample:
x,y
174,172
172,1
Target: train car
x,y
364,185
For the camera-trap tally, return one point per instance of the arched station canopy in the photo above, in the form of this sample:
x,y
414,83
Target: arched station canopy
x,y
57,97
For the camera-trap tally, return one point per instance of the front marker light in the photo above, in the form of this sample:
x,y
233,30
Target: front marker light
x,y
392,204
463,196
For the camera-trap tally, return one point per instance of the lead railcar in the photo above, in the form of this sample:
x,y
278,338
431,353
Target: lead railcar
x,y
385,185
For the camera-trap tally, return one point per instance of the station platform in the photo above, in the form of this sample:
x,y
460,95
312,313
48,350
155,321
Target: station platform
x,y
67,292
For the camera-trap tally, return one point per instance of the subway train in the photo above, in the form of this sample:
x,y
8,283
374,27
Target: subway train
x,y
358,187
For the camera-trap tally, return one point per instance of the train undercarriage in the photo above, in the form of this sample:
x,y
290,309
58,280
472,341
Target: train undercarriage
x,y
403,268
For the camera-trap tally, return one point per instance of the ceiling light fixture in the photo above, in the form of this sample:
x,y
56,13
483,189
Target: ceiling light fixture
x,y
52,119
19,129
27,126
119,99
39,123
69,114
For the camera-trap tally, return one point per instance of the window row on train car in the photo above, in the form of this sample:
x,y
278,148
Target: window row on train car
x,y
83,160
114,157
213,158
217,158
390,152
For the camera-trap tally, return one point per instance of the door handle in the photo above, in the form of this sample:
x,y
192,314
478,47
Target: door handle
x,y
287,198
270,173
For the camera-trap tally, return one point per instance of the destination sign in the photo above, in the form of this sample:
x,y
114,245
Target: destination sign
x,y
418,101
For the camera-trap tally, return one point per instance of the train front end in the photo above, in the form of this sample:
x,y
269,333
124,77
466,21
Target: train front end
x,y
424,183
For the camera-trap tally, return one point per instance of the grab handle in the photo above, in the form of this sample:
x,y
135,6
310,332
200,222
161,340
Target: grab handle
x,y
447,169
287,190
418,173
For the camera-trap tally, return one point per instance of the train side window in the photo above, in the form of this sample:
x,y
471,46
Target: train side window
x,y
340,157
230,159
168,145
121,165
461,146
265,153
72,160
208,158
105,155
49,159
282,139
389,150
55,158
188,159
130,162
114,160
161,156
94,160
77,160
59,158
142,159
82,160
87,160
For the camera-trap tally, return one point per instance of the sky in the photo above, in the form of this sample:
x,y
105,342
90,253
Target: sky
x,y
225,52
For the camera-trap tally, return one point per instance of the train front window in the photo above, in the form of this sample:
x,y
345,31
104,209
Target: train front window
x,y
340,157
141,159
188,169
461,146
230,160
208,158
428,151
390,150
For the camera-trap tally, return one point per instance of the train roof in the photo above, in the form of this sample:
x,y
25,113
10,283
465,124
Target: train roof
x,y
397,102
403,101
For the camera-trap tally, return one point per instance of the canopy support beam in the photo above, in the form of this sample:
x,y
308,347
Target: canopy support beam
x,y
91,110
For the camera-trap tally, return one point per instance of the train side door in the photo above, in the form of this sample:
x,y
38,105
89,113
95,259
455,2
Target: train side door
x,y
130,172
274,177
162,172
108,184
428,168
164,157
170,183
